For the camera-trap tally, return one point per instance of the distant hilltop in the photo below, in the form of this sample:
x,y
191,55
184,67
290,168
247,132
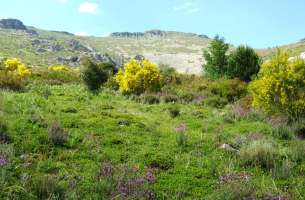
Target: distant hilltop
x,y
150,34
12,24
16,25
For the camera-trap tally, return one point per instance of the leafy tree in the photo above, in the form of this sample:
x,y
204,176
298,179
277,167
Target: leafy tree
x,y
243,63
216,58
281,87
96,74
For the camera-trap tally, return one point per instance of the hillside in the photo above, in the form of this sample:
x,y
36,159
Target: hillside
x,y
182,51
295,49
187,146
143,133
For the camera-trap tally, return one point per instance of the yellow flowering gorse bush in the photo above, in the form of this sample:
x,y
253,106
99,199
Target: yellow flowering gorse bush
x,y
12,74
138,77
15,67
281,86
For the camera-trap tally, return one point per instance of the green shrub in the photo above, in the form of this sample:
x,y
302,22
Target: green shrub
x,y
216,58
169,75
95,75
48,187
160,161
237,190
150,99
11,82
111,84
284,132
168,98
281,87
187,97
216,101
298,151
283,169
57,135
55,77
182,139
291,130
174,111
62,76
259,153
244,139
232,89
4,137
243,63
298,128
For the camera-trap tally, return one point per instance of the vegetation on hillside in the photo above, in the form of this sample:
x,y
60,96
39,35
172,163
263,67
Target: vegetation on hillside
x,y
281,87
243,63
95,75
138,77
152,133
13,74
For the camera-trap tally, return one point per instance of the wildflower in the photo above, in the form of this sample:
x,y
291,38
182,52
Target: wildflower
x,y
3,160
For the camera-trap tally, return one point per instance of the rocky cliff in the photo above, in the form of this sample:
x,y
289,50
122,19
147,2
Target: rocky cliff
x,y
12,24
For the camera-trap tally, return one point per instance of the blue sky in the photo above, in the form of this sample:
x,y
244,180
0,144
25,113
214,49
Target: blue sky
x,y
258,23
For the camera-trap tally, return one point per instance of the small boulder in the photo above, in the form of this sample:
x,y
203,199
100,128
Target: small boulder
x,y
227,147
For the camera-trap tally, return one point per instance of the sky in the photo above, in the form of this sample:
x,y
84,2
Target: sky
x,y
258,23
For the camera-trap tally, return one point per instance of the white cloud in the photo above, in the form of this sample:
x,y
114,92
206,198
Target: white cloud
x,y
88,7
62,1
187,8
83,34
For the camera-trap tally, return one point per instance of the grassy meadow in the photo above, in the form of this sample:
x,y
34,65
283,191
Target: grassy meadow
x,y
195,139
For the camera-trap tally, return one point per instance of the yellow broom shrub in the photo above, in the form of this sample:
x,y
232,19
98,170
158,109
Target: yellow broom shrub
x,y
138,77
12,74
281,86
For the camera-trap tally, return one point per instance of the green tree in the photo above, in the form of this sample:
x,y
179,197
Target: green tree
x,y
216,58
243,63
96,74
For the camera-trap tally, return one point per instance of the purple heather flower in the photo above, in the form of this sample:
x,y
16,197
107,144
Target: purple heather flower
x,y
181,129
106,171
150,177
3,160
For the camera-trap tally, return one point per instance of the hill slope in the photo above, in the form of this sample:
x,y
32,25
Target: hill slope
x,y
180,50
295,49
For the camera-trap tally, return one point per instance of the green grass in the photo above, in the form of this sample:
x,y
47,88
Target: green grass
x,y
110,129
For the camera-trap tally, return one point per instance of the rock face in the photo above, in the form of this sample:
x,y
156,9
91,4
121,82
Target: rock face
x,y
204,36
76,60
139,57
77,46
147,34
155,33
17,25
127,34
12,24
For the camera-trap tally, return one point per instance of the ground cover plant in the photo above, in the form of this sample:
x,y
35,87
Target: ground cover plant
x,y
192,138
